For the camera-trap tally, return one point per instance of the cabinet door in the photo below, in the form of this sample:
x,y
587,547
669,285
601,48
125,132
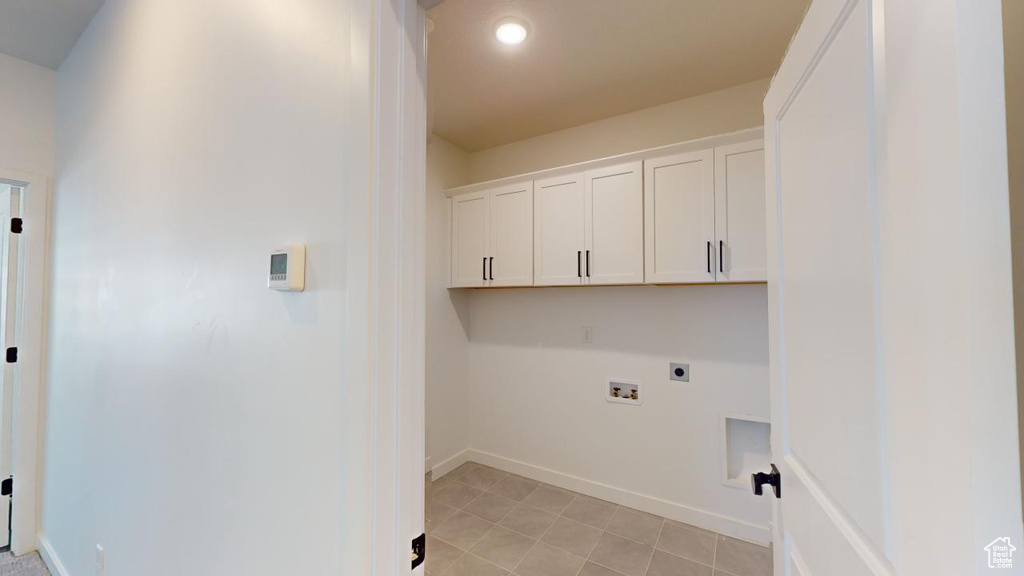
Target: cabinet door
x,y
510,259
469,239
615,225
739,212
558,234
679,207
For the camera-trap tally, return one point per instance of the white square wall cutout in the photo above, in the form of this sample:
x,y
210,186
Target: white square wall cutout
x,y
745,448
623,391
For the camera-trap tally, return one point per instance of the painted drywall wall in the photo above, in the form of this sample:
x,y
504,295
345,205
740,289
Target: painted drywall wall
x,y
714,113
538,392
1013,53
28,100
447,401
197,420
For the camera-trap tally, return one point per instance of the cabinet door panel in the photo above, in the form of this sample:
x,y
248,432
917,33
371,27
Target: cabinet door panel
x,y
739,212
558,234
615,224
511,236
679,206
469,238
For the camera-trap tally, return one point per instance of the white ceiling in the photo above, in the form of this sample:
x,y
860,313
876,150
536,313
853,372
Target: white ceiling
x,y
591,59
43,31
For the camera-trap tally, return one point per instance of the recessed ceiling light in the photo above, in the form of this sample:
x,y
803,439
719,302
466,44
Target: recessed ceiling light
x,y
511,33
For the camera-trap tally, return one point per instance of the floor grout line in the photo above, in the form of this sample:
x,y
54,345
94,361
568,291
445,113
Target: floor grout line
x,y
543,534
714,556
655,548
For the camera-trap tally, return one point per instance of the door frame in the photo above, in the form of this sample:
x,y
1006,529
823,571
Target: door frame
x,y
29,311
386,122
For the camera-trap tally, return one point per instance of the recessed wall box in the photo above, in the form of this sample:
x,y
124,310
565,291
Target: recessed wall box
x,y
623,391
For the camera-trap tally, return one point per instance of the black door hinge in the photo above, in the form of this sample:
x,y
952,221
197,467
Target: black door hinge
x,y
419,550
7,487
12,355
16,225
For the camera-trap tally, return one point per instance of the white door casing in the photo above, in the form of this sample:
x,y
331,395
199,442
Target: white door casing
x,y
385,222
679,206
558,206
891,335
9,200
614,225
739,212
28,335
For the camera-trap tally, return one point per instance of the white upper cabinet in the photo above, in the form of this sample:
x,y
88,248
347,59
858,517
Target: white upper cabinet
x,y
510,259
492,237
739,212
679,206
470,217
559,234
689,213
614,225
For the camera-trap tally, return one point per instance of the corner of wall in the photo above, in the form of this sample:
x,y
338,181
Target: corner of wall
x,y
447,323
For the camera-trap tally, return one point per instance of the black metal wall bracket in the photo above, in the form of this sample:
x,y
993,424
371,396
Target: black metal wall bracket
x,y
773,479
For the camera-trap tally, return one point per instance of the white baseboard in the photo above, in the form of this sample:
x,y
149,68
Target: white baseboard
x,y
426,465
50,557
732,527
450,464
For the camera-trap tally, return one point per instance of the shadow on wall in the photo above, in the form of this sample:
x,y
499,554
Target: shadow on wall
x,y
460,303
726,322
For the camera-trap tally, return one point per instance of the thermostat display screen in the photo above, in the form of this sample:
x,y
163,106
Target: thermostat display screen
x,y
279,264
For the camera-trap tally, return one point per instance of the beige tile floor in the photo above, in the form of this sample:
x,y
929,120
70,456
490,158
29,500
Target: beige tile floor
x,y
27,565
485,522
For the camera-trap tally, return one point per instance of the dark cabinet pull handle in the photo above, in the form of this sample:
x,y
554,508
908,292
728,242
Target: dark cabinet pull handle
x,y
709,257
579,264
485,269
721,256
588,263
492,267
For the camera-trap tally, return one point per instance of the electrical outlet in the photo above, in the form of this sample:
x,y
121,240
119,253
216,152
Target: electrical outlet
x,y
588,334
101,561
680,372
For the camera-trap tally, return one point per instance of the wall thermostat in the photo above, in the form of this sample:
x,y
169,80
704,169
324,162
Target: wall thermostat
x,y
288,269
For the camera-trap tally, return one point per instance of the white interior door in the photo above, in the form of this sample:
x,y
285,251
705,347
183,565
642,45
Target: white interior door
x,y
470,228
739,212
558,234
510,258
9,199
679,205
892,370
614,225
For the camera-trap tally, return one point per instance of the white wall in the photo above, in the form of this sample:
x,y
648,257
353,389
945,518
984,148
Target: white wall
x,y
538,391
196,419
709,114
447,313
28,97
